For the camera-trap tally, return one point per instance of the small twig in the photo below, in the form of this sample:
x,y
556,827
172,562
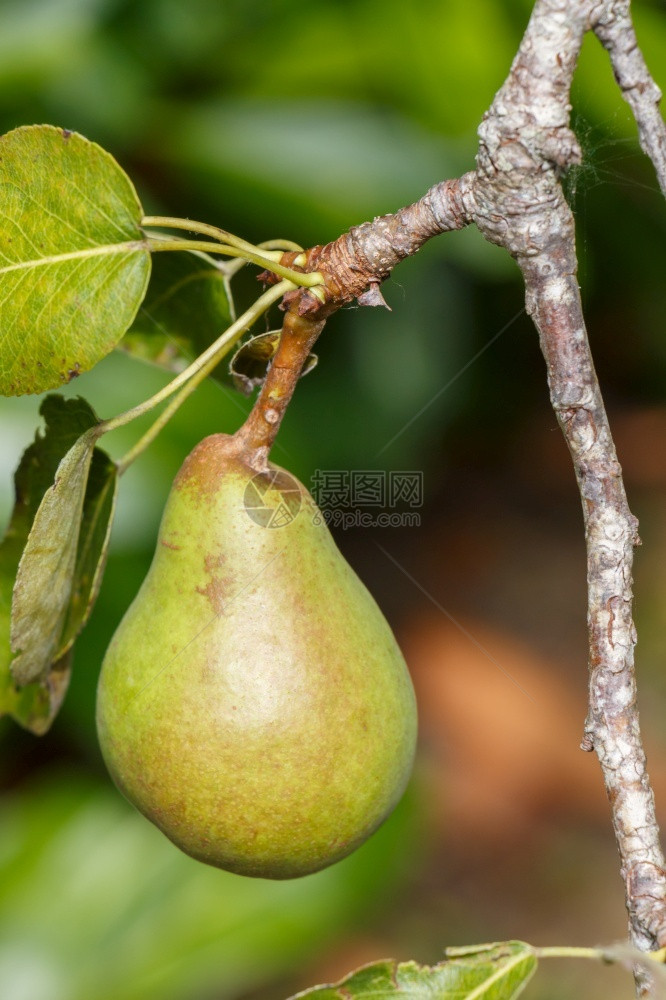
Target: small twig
x,y
614,28
368,253
352,267
356,263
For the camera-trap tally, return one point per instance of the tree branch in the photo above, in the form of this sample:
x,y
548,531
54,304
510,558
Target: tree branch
x,y
357,262
524,143
614,28
367,254
516,200
611,727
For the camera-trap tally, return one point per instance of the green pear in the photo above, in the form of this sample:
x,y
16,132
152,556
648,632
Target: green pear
x,y
253,702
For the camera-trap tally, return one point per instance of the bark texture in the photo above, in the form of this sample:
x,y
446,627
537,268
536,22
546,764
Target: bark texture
x,y
525,141
515,198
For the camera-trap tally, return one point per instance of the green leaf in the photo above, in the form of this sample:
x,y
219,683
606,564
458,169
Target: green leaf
x,y
74,265
44,581
249,364
52,555
187,307
483,972
97,518
35,705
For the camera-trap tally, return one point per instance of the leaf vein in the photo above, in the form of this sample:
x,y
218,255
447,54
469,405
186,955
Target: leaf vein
x,y
131,246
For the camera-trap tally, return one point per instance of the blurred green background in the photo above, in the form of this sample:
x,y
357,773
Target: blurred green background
x,y
284,119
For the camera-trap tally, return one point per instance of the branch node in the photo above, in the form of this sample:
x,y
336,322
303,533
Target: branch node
x,y
372,296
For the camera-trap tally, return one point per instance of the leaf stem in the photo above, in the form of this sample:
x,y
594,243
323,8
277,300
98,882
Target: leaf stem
x,y
280,245
194,373
235,265
307,279
229,244
221,235
147,439
564,951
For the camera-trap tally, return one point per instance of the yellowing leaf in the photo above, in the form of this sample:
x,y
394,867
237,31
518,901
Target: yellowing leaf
x,y
52,557
44,580
187,306
484,972
74,265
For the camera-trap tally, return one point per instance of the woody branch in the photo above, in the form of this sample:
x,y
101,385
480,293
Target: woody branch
x,y
515,198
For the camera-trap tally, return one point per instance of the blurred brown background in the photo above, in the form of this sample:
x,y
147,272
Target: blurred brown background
x,y
280,119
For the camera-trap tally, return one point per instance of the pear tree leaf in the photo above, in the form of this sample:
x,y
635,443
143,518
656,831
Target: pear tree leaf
x,y
45,574
97,518
482,972
35,705
66,540
249,364
187,306
74,264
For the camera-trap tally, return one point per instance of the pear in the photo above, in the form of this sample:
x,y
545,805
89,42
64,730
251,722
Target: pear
x,y
253,702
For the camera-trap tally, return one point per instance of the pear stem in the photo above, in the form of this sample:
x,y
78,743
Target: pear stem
x,y
259,431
